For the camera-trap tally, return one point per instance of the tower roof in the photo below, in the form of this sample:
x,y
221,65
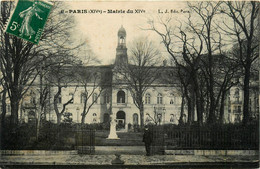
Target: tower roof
x,y
121,32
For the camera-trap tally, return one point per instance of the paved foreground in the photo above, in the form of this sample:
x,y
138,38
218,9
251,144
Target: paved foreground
x,y
130,161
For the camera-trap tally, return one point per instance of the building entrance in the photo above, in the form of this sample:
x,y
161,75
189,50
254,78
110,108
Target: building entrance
x,y
120,119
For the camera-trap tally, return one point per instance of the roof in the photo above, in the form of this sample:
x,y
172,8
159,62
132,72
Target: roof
x,y
121,32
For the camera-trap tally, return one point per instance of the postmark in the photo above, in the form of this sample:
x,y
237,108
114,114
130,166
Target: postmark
x,y
28,19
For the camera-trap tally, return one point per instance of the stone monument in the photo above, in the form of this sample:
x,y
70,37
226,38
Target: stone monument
x,y
112,132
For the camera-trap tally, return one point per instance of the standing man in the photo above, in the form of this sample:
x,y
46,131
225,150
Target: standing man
x,y
147,139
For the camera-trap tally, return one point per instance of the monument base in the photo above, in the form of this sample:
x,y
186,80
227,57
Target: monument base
x,y
113,136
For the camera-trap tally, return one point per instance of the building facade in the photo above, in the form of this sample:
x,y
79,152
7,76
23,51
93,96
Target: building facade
x,y
162,102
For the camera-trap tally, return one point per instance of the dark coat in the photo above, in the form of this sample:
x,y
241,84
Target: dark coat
x,y
147,137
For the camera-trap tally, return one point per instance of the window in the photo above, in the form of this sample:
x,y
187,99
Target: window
x,y
135,119
82,97
159,99
94,98
237,118
238,109
184,118
94,114
172,118
147,98
236,95
121,97
106,99
31,116
33,100
171,102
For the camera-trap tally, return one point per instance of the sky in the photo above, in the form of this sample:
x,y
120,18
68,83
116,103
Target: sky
x,y
99,30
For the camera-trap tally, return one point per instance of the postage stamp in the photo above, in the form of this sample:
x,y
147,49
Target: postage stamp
x,y
28,19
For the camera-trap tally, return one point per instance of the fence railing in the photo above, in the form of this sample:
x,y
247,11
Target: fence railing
x,y
218,139
85,141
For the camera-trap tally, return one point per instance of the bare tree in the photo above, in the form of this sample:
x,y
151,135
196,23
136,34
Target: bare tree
x,y
60,76
197,52
141,72
244,30
186,57
93,82
21,61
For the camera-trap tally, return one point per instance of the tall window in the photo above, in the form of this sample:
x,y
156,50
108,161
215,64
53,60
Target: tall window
x,y
172,98
31,116
159,99
135,119
147,98
171,102
236,95
239,109
121,97
33,100
94,98
172,118
106,98
82,97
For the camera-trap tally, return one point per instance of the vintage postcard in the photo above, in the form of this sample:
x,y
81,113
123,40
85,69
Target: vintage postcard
x,y
129,84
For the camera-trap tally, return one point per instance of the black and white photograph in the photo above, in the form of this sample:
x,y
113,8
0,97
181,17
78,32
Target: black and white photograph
x,y
129,84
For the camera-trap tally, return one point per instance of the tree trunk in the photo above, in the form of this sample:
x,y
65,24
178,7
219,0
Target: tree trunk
x,y
141,109
38,123
83,118
246,115
56,105
2,135
198,101
190,103
199,109
222,106
182,110
3,108
14,112
59,118
84,113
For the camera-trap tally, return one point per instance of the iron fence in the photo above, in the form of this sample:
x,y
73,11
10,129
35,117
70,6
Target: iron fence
x,y
216,139
85,141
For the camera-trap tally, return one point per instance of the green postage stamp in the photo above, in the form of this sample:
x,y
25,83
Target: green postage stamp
x,y
28,19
